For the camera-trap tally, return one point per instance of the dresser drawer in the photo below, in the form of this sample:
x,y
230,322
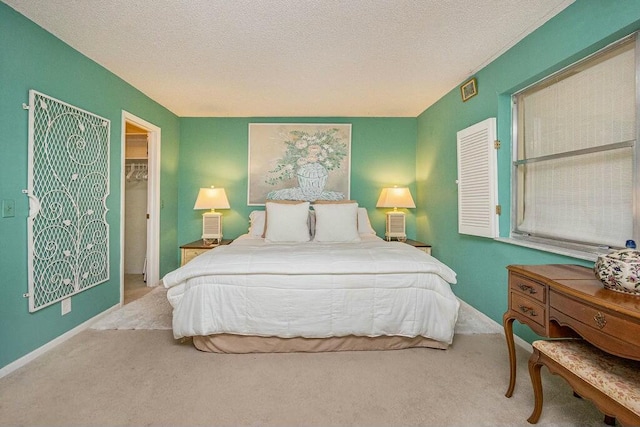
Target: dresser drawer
x,y
529,308
528,287
425,249
601,327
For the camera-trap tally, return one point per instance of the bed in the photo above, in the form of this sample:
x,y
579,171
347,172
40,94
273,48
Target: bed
x,y
312,279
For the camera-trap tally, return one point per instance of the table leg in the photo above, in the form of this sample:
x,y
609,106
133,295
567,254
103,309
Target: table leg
x,y
507,321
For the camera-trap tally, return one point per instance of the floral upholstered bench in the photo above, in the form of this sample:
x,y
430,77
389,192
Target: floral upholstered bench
x,y
611,383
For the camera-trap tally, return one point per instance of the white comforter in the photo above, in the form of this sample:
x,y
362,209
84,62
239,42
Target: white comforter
x,y
313,290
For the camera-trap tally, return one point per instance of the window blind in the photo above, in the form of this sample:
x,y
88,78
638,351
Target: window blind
x,y
576,134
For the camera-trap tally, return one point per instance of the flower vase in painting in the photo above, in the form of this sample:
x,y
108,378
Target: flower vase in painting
x,y
308,157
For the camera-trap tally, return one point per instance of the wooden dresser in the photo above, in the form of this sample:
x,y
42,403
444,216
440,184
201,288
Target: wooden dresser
x,y
419,245
559,300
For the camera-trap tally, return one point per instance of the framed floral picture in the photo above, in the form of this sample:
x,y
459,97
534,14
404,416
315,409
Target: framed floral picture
x,y
291,161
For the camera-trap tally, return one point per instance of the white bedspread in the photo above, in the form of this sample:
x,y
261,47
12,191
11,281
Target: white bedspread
x,y
314,290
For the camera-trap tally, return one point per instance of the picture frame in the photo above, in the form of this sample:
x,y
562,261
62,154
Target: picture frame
x,y
469,89
298,161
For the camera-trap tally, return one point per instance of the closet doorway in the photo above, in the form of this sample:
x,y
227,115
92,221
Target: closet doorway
x,y
140,210
136,179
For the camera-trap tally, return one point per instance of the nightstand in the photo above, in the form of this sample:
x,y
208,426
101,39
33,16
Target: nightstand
x,y
193,249
419,245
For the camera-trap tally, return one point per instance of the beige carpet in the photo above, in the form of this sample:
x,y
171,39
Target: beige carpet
x,y
144,377
151,311
135,287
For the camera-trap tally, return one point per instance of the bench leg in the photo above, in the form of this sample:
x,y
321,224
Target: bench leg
x,y
536,380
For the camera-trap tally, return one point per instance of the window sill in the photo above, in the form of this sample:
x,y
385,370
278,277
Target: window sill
x,y
573,253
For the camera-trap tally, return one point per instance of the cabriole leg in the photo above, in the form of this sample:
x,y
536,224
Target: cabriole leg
x,y
536,380
508,334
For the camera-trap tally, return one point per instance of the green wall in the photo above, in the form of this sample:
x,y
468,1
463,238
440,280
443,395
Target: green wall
x,y
197,152
213,151
31,58
480,263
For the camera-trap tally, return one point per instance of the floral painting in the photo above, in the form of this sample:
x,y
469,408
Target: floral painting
x,y
298,162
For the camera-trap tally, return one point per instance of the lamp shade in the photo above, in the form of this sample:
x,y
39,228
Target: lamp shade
x,y
212,198
395,197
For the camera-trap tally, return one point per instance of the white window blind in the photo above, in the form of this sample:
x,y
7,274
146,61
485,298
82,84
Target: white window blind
x,y
477,180
574,156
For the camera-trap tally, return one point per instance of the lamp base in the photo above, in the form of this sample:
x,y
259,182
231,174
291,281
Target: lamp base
x,y
211,227
398,238
212,242
395,226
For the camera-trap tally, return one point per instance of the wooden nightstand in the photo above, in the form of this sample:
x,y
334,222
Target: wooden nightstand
x,y
193,249
419,245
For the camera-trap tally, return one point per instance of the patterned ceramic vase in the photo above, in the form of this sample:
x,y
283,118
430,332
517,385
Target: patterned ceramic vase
x,y
619,270
312,178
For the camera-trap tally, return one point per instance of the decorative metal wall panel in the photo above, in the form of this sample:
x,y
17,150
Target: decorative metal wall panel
x,y
68,187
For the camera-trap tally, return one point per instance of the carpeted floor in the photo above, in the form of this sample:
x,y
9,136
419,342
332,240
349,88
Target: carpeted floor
x,y
144,377
115,375
152,311
135,287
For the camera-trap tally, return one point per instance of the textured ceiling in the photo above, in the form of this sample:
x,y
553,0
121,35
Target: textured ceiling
x,y
252,58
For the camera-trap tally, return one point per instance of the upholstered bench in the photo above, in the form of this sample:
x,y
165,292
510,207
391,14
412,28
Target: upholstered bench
x,y
611,383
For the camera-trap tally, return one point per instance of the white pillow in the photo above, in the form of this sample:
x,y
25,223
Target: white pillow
x,y
336,222
364,225
256,223
287,222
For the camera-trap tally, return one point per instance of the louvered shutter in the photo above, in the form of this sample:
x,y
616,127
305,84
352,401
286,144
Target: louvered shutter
x,y
478,180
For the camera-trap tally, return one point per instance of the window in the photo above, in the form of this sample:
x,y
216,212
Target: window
x,y
574,151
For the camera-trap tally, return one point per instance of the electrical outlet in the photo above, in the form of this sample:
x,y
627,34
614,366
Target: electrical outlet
x,y
66,305
8,208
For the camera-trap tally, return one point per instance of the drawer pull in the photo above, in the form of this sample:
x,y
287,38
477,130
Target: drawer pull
x,y
527,288
600,320
527,310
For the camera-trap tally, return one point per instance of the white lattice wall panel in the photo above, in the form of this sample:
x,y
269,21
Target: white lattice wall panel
x,y
68,185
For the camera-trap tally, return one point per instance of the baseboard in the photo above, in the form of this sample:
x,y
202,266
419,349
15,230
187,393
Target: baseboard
x,y
497,327
522,343
17,364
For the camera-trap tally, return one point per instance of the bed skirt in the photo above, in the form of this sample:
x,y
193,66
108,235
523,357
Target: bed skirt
x,y
229,343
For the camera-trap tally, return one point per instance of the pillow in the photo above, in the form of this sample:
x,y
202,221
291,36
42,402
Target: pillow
x,y
333,202
286,222
281,202
336,222
364,225
312,214
256,223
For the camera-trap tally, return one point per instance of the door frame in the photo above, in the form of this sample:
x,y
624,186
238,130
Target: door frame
x,y
153,199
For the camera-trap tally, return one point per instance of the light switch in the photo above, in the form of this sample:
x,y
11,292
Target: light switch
x,y
8,208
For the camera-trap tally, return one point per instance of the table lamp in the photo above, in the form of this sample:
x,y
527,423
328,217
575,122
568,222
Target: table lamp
x,y
212,198
396,197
